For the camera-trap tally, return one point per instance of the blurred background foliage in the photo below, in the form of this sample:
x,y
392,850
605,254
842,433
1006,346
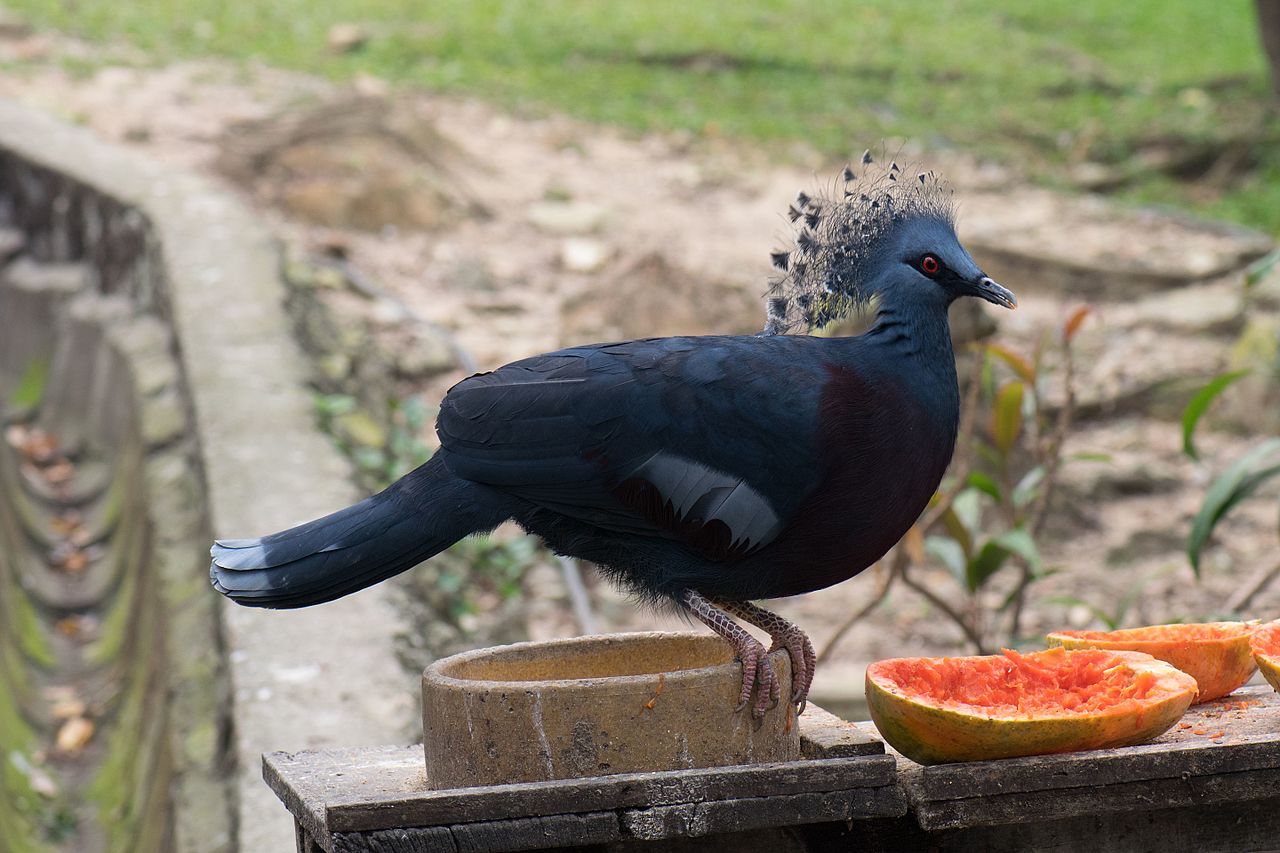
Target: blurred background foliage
x,y
1161,101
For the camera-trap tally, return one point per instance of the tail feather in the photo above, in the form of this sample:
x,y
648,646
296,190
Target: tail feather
x,y
415,518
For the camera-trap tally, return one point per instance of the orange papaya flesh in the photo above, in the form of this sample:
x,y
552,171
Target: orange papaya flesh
x,y
1265,643
1215,654
936,710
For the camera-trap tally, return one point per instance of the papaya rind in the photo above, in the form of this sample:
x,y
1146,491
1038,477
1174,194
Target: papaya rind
x,y
928,734
1267,660
1219,665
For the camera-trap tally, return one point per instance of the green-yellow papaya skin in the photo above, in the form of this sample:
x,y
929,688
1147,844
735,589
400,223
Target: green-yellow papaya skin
x,y
1265,645
939,710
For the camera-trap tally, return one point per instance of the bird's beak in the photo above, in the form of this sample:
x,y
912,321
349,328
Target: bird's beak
x,y
987,289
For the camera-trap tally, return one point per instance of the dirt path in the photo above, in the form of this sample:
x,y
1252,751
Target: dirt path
x,y
591,234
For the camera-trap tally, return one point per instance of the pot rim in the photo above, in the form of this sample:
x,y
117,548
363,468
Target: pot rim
x,y
436,675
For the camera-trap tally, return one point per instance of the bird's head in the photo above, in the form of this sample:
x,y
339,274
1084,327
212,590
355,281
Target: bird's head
x,y
886,235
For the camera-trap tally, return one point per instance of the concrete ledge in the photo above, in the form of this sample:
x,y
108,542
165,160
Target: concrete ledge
x,y
192,256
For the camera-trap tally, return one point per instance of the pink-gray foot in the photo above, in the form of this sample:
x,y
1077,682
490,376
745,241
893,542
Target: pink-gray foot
x,y
785,636
747,649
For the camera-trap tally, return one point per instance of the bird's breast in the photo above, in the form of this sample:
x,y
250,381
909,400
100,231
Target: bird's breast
x,y
884,450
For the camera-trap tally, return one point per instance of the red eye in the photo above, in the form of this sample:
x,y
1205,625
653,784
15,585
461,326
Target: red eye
x,y
929,265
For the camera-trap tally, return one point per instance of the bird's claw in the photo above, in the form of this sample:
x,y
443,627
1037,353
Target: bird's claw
x,y
803,664
757,676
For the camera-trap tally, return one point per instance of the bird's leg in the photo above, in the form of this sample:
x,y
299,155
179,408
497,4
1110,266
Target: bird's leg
x,y
747,649
785,636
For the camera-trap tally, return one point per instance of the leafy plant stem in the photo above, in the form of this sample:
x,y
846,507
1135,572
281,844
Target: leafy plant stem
x,y
1245,595
970,632
897,564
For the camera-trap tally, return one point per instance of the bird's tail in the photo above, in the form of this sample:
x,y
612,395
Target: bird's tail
x,y
416,517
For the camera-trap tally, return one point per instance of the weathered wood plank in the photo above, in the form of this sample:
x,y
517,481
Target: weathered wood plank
x,y
725,816
431,839
497,836
305,781
1101,767
824,735
1252,741
1139,796
303,840
426,808
1254,825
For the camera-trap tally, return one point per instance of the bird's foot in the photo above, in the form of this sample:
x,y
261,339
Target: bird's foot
x,y
785,636
756,671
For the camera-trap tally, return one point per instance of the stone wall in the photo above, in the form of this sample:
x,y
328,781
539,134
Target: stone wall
x,y
142,327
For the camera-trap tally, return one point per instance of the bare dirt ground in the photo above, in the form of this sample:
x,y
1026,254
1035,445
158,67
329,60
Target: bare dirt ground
x,y
541,232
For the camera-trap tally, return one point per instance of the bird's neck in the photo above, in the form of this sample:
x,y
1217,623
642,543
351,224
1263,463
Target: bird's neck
x,y
918,333
915,343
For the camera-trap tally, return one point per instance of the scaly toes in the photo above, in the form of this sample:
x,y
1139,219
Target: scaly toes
x,y
810,667
768,693
800,650
751,657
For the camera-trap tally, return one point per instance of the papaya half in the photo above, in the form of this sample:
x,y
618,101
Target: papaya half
x,y
1215,654
936,710
1265,643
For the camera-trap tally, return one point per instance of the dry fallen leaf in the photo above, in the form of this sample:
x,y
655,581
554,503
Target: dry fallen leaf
x,y
75,562
74,735
59,472
67,523
78,627
35,444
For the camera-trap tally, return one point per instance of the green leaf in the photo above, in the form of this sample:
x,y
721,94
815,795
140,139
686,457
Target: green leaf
x,y
956,529
1235,484
1019,541
1028,487
1020,365
1199,404
31,386
990,557
1007,419
1013,593
1089,457
948,552
329,405
1260,268
963,518
984,484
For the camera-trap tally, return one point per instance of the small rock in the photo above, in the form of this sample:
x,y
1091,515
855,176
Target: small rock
x,y
473,273
1197,309
566,218
583,254
347,37
428,355
13,27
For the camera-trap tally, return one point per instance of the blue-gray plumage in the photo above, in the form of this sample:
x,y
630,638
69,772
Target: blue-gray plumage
x,y
709,471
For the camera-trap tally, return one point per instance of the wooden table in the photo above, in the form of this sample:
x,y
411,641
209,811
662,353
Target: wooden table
x,y
1186,791
377,799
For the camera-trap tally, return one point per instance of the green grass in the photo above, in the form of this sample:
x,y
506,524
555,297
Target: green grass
x,y
1041,83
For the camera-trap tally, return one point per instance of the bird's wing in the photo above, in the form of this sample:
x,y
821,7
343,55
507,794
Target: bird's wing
x,y
711,441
